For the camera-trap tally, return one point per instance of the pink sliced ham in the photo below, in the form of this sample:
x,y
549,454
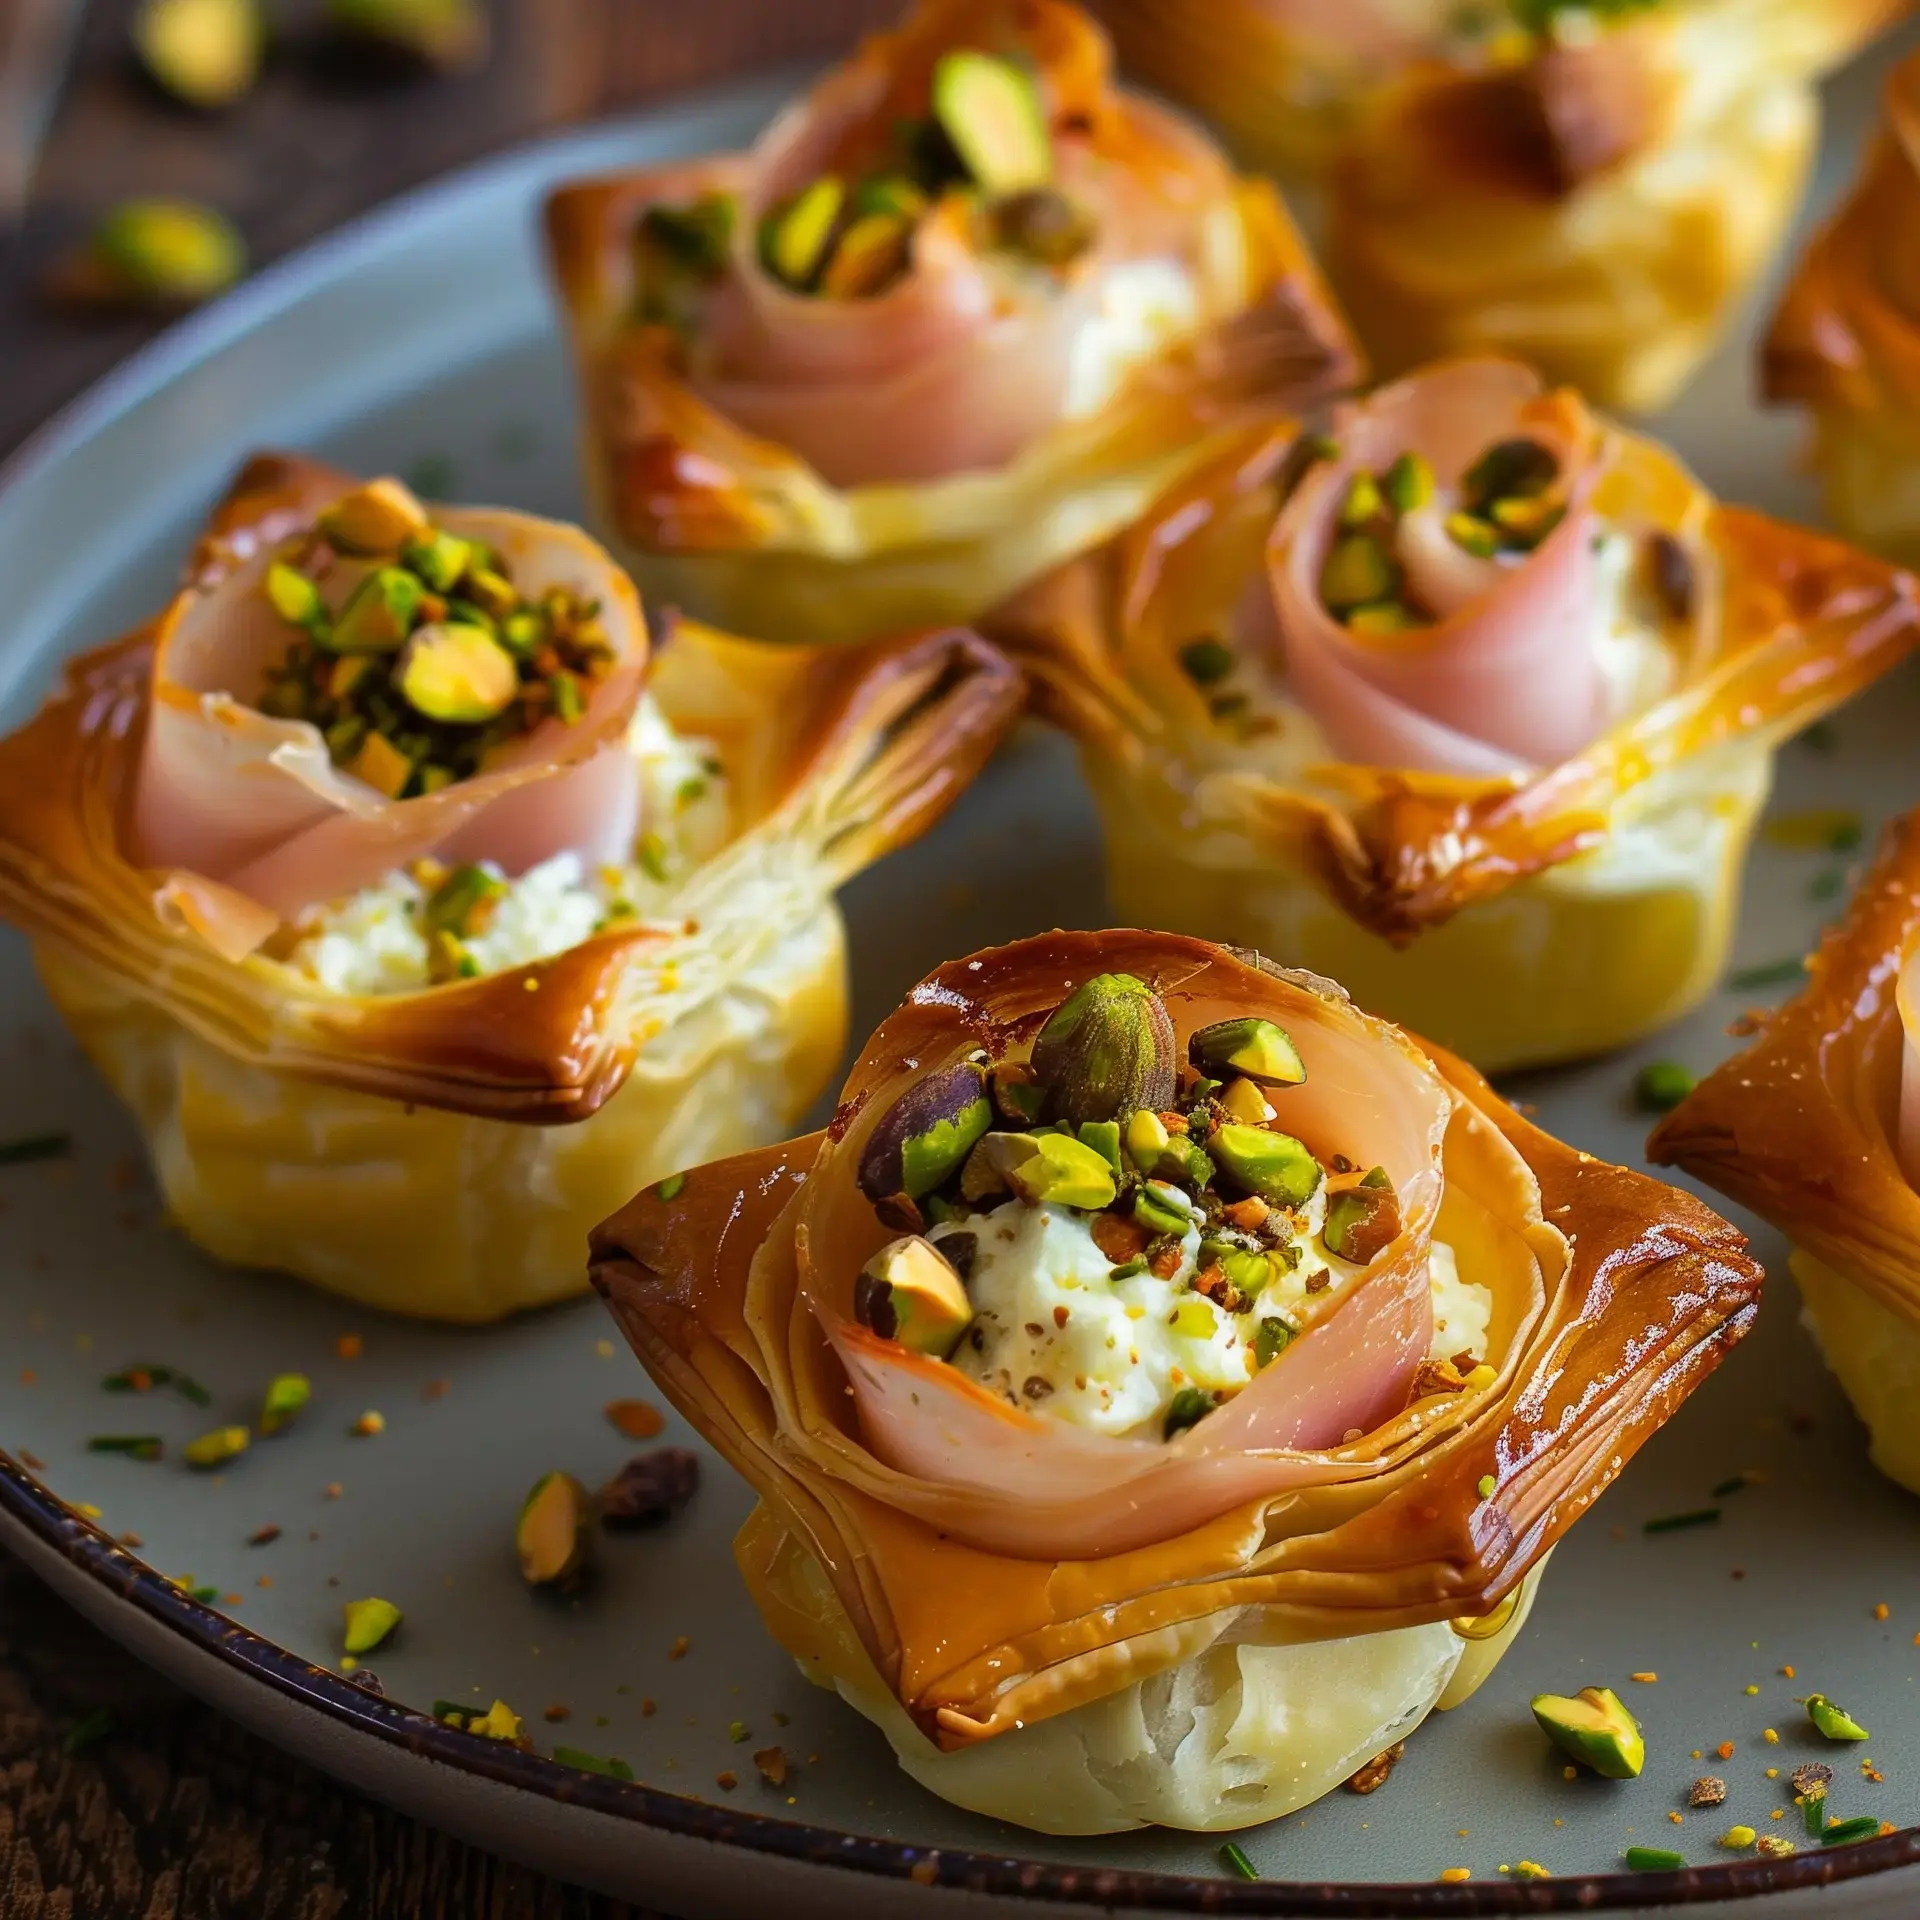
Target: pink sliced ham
x,y
228,795
1507,678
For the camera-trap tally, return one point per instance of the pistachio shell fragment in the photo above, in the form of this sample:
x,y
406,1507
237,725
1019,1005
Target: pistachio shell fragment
x,y
910,1292
205,52
1257,1049
926,1134
990,110
380,517
286,1395
368,1623
1276,1166
1107,1049
457,674
554,1534
378,615
1594,1728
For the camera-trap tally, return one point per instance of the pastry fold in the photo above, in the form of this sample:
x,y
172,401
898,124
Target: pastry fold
x,y
1815,1126
1845,339
1469,825
831,468
1595,206
157,836
909,1542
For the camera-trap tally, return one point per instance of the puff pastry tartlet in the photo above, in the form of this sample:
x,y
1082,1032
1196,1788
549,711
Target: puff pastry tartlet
x,y
1471,706
964,310
411,905
1592,194
1128,1456
1815,1126
1845,341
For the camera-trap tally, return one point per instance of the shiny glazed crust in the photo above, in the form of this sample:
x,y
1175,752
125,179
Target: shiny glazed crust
x,y
265,1098
743,532
973,1642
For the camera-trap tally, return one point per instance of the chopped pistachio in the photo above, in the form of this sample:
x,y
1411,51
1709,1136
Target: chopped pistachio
x,y
1246,1103
286,1395
159,253
911,1292
1260,1050
1364,502
493,593
554,1534
1409,483
380,517
1147,1139
293,596
890,193
1048,1168
1190,1406
368,1623
990,111
1275,1166
205,52
1270,1340
215,1449
1362,1222
457,674
380,764
1473,535
446,34
1161,1208
438,557
695,234
795,237
868,257
1358,572
1526,522
1661,1085
1594,1728
499,1722
1383,618
1655,1860
1835,1723
1103,1136
464,902
379,613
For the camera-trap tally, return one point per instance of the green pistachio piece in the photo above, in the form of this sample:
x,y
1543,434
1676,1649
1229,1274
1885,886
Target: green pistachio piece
x,y
869,256
695,235
1472,535
379,613
444,34
926,1134
1243,1101
1147,1139
1362,1221
1206,662
215,1449
554,1533
1045,225
1190,1406
462,903
1251,1273
1103,1136
1162,1207
990,110
286,1395
521,633
1276,1166
379,763
1364,501
794,238
1507,467
493,593
205,52
380,517
890,193
911,1292
1526,522
293,596
1107,1049
165,252
1358,571
1409,483
457,674
368,1623
1834,1722
1594,1728
1042,1168
1383,618
1270,1340
438,557
1256,1049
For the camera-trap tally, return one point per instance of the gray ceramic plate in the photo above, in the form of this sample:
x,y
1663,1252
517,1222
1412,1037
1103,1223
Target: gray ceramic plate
x,y
420,340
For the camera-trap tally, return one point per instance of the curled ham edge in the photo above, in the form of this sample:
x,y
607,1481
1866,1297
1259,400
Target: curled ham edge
x,y
975,1466
1505,682
946,372
252,821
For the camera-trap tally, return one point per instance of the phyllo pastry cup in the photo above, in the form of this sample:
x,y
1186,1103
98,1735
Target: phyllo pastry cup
x,y
1845,341
1162,1381
412,906
1594,203
964,310
1471,706
1815,1126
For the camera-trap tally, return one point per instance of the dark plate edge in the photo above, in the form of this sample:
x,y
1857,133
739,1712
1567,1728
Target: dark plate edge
x,y
111,1567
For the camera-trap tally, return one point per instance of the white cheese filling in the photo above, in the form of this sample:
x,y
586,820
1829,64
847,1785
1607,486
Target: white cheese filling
x,y
1143,307
1052,1327
375,941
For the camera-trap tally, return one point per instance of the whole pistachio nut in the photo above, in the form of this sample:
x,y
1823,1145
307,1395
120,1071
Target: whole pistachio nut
x,y
1258,1050
1275,1166
1107,1050
445,34
204,52
380,517
926,1134
911,1292
554,1533
153,253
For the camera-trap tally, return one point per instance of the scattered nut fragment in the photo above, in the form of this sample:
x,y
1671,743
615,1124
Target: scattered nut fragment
x,y
1776,1846
1373,1776
370,1423
1707,1791
151,254
772,1762
556,1712
554,1533
443,34
368,1623
215,1449
635,1419
204,52
263,1536
650,1487
727,1780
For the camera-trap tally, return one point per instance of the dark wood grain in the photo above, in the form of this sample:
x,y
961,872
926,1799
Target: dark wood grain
x,y
179,1815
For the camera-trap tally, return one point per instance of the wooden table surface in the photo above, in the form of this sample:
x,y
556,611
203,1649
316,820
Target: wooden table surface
x,y
180,1813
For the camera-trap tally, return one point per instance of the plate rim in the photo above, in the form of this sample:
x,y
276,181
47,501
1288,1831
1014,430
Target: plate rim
x,y
126,1579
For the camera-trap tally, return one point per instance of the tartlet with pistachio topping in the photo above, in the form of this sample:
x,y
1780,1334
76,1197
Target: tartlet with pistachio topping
x,y
1153,1329
964,309
1470,703
389,844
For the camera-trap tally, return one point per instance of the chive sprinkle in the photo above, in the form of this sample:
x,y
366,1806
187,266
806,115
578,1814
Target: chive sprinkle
x,y
1777,973
137,1446
1236,1862
90,1730
1844,1832
1675,1522
1734,1485
612,1768
138,1379
1813,1810
1655,1860
35,1146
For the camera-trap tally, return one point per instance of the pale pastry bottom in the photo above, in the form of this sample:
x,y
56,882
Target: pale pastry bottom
x,y
1875,1355
1870,471
446,1216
